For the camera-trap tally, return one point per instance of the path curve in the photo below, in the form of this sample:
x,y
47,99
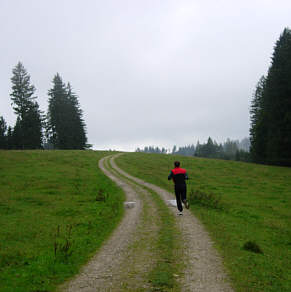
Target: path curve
x,y
99,274
204,270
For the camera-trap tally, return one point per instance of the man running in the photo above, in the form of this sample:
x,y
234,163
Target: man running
x,y
179,175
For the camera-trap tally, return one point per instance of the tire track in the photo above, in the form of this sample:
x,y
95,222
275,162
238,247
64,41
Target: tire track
x,y
204,270
122,263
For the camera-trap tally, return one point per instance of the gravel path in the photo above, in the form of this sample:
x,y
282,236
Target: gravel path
x,y
122,263
204,270
124,260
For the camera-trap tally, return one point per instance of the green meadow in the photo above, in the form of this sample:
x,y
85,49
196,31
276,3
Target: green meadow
x,y
56,209
249,221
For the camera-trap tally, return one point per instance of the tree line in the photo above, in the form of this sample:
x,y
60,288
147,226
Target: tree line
x,y
229,150
63,126
152,149
270,113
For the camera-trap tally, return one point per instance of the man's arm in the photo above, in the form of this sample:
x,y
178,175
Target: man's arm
x,y
186,176
170,176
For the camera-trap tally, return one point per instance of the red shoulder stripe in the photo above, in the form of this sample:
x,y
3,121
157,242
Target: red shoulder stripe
x,y
178,170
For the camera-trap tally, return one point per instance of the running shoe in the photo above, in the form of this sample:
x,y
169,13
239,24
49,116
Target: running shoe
x,y
186,204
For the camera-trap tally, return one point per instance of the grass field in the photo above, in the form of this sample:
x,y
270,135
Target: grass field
x,y
56,208
254,203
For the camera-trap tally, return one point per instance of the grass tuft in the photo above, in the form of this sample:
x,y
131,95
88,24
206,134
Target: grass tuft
x,y
253,247
101,195
209,200
63,244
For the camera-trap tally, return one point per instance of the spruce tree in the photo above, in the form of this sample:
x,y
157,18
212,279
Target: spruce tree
x,y
29,121
277,103
77,121
3,135
66,127
271,109
58,119
33,127
9,138
258,124
174,149
17,135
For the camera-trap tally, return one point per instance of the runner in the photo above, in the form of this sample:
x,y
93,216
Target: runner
x,y
179,175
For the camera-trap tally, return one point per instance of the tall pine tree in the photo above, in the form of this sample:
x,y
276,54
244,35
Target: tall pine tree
x,y
258,125
17,136
277,102
9,138
271,109
29,117
58,118
3,135
66,127
78,124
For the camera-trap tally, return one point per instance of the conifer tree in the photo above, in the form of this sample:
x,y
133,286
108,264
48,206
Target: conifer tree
x,y
78,125
174,149
66,127
9,138
271,109
277,103
258,125
29,121
58,118
3,136
17,136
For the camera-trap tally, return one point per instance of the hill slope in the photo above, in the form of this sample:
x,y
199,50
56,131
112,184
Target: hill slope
x,y
253,206
56,208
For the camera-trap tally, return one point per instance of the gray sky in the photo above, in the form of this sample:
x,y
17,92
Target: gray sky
x,y
147,72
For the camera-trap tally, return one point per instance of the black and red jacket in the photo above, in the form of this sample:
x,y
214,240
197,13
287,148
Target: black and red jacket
x,y
179,175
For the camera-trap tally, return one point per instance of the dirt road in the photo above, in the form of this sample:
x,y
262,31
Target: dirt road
x,y
125,260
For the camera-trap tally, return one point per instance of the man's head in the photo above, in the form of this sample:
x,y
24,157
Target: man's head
x,y
177,163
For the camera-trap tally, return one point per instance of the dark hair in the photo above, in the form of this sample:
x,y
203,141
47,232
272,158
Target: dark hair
x,y
177,163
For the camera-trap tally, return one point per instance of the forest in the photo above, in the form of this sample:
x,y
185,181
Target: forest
x,y
229,150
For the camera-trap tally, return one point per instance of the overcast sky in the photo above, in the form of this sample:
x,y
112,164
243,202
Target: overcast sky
x,y
147,72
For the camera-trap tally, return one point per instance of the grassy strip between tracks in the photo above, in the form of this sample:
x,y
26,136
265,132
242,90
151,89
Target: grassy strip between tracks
x,y
163,276
244,206
56,209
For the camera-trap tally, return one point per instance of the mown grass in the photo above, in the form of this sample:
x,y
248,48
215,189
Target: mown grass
x,y
168,265
162,276
56,208
254,207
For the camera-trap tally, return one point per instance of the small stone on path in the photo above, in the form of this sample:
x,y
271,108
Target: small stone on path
x,y
129,205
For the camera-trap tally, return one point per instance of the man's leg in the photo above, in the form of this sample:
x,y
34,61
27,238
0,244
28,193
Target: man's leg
x,y
178,198
183,196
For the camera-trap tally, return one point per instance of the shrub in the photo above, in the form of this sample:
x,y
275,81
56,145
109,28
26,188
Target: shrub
x,y
101,196
63,244
208,200
252,246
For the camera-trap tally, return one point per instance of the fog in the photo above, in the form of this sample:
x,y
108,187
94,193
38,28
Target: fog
x,y
146,72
